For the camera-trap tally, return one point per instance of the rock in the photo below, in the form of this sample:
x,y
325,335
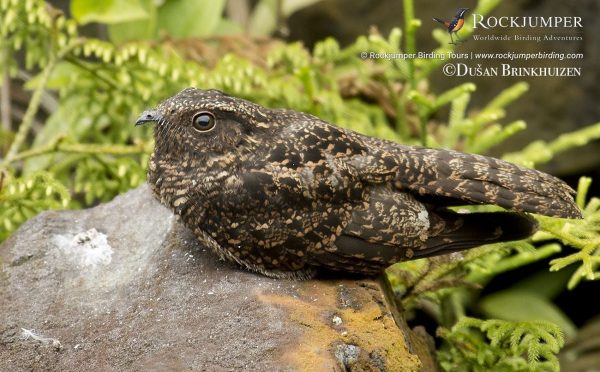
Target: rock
x,y
125,286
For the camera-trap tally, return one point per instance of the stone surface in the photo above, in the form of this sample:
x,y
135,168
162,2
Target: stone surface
x,y
124,286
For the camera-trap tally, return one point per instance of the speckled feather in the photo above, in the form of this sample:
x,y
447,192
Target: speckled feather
x,y
285,193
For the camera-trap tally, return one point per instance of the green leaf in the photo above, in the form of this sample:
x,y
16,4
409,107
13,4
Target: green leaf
x,y
142,29
136,30
180,18
507,346
263,19
60,76
227,27
107,11
290,6
517,305
544,284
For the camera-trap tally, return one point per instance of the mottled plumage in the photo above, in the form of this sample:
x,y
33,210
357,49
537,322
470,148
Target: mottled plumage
x,y
285,193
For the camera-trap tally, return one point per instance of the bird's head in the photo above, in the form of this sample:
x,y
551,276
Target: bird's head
x,y
460,12
205,123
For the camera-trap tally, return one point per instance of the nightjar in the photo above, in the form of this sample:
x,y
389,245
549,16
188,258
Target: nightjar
x,y
285,193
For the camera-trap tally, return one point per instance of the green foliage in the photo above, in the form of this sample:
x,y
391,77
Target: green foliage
x,y
88,151
108,11
23,198
264,17
130,20
446,287
145,19
508,305
541,152
498,345
583,235
443,286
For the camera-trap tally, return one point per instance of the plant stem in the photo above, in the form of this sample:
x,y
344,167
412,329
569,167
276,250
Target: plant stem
x,y
81,148
111,83
423,117
560,234
409,29
5,104
32,109
400,106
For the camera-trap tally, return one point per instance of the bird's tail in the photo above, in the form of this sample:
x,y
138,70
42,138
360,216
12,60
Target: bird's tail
x,y
449,232
452,178
460,231
440,21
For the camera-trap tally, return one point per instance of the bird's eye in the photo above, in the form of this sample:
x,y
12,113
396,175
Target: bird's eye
x,y
203,121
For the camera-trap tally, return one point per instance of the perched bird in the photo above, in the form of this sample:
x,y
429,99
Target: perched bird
x,y
455,24
284,193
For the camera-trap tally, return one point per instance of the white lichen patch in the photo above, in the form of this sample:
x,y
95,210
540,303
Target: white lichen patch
x,y
336,320
29,334
423,217
86,249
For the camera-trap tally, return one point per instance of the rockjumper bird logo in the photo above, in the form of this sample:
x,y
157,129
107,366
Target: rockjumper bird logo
x,y
455,24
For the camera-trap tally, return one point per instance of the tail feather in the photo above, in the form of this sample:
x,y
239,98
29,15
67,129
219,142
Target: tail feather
x,y
449,232
441,21
464,231
476,179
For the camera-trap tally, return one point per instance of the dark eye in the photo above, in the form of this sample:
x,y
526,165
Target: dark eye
x,y
203,121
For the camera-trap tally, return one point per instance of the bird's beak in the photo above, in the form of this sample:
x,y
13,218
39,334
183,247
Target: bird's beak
x,y
147,116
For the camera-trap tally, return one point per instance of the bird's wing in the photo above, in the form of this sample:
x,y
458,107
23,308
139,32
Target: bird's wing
x,y
454,178
449,232
385,223
295,195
